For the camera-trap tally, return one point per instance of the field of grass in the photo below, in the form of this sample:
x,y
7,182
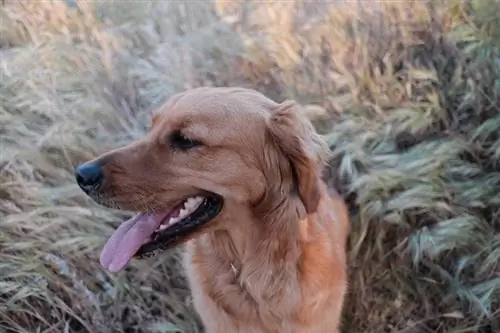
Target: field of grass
x,y
407,94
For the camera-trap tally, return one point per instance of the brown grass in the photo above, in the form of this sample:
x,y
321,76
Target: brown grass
x,y
407,94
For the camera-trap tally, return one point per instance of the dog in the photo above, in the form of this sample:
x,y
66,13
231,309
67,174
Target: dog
x,y
237,178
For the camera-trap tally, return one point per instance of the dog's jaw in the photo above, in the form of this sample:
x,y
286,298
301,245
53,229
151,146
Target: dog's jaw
x,y
147,233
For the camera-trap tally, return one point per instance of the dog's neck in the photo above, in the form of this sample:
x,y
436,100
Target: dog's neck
x,y
273,237
255,261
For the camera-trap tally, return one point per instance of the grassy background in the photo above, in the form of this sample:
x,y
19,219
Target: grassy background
x,y
407,93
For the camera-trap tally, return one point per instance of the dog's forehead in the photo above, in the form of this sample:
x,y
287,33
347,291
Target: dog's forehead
x,y
214,109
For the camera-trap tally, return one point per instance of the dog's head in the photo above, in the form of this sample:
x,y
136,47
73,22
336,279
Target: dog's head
x,y
208,151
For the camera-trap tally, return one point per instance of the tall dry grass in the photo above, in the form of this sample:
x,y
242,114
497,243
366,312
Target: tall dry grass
x,y
406,93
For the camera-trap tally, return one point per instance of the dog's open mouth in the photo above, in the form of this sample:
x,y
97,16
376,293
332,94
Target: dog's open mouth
x,y
146,233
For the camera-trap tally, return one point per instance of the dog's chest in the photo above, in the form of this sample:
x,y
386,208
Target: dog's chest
x,y
224,279
230,291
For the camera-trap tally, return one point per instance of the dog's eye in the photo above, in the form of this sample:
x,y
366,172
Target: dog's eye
x,y
178,140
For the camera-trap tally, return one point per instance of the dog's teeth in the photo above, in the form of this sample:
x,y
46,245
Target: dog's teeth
x,y
174,220
183,213
189,206
193,203
189,203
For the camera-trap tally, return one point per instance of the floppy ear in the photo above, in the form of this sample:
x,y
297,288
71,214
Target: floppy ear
x,y
296,138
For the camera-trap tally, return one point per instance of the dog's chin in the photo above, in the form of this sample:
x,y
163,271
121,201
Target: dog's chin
x,y
194,214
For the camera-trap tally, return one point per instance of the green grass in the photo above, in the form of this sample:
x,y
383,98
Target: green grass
x,y
406,93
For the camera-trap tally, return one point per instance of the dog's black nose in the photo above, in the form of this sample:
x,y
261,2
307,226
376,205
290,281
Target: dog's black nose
x,y
88,176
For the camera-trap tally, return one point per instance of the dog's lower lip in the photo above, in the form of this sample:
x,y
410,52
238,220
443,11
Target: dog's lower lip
x,y
172,235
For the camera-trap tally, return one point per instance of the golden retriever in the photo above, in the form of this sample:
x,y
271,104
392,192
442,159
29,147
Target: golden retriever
x,y
237,177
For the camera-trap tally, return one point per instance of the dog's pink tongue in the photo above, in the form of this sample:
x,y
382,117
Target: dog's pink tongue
x,y
127,239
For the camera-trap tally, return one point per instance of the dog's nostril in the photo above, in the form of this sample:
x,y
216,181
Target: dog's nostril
x,y
80,179
88,175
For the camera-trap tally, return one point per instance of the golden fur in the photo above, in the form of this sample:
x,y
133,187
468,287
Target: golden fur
x,y
274,259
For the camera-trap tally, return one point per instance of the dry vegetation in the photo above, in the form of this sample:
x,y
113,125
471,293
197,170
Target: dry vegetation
x,y
412,96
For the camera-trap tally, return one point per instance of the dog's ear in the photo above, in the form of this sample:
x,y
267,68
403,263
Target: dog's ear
x,y
296,139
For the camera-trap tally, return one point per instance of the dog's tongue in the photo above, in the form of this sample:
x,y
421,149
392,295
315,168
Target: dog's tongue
x,y
128,238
